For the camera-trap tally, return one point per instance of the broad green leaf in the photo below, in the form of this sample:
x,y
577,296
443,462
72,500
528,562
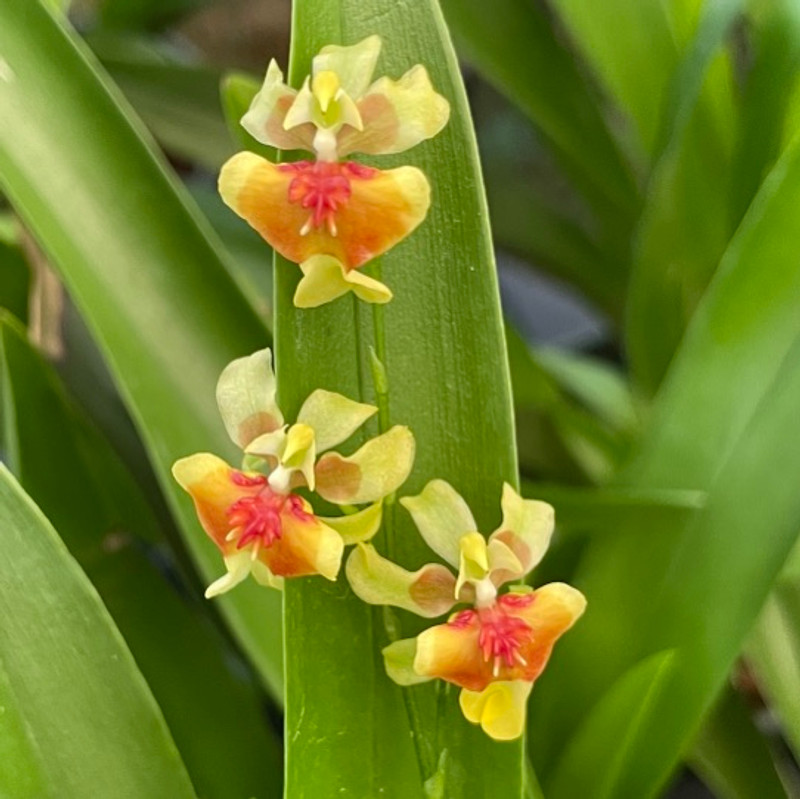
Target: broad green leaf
x,y
109,527
719,425
686,222
732,756
447,378
515,45
585,767
773,650
82,720
140,262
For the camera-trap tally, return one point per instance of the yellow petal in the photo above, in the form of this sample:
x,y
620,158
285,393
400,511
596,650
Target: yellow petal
x,y
333,418
473,562
396,115
500,708
325,279
238,568
398,658
355,528
374,471
246,398
353,64
526,530
428,592
265,118
442,517
367,211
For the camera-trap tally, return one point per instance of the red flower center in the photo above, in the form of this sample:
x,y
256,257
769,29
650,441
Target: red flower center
x,y
502,633
323,187
256,518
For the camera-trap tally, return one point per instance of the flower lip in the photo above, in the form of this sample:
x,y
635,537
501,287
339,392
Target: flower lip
x,y
256,519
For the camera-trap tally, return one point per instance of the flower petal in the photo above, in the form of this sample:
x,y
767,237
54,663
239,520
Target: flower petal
x,y
333,417
500,708
526,530
396,115
238,568
246,398
443,517
398,658
374,471
451,652
299,454
306,546
209,481
428,592
354,65
325,279
549,611
357,527
265,118
372,209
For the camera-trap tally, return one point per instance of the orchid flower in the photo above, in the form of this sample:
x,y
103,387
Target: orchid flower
x,y
495,649
259,524
328,215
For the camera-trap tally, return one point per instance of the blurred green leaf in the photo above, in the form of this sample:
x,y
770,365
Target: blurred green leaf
x,y
772,78
140,262
722,424
732,756
448,381
514,43
145,14
110,529
686,222
79,719
15,279
178,102
773,650
586,768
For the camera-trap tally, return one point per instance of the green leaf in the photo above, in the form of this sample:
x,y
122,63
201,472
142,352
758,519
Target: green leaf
x,y
719,425
686,222
81,719
179,103
585,768
773,651
732,756
141,263
514,44
447,377
145,14
109,528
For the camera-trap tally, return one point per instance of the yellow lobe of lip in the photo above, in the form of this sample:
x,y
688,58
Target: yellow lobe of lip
x,y
325,86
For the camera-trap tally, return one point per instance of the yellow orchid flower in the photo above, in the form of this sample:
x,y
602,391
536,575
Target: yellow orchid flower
x,y
327,215
498,647
259,524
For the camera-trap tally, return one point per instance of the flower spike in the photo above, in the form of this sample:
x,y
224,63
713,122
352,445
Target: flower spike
x,y
253,515
328,215
496,648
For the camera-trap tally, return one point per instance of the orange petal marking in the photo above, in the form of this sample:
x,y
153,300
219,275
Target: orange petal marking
x,y
346,210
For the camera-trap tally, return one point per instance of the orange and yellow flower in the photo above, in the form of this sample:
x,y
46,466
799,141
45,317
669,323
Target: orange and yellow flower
x,y
254,516
328,215
497,648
